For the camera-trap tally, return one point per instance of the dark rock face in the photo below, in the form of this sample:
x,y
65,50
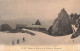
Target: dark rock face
x,y
62,24
37,22
5,27
77,33
74,18
50,30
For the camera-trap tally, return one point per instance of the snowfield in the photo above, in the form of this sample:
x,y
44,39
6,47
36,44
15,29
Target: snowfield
x,y
39,39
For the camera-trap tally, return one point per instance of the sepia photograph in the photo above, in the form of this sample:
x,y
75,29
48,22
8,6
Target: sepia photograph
x,y
39,25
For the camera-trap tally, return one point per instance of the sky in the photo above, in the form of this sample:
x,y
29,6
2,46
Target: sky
x,y
36,9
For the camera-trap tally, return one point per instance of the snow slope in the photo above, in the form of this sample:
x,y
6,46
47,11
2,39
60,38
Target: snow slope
x,y
40,40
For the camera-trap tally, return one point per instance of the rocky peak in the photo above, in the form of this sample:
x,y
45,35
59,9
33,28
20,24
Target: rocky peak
x,y
63,13
62,24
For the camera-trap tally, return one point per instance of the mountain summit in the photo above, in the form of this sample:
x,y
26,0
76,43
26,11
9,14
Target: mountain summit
x,y
62,24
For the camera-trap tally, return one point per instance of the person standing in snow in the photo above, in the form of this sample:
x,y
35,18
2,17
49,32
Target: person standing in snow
x,y
23,39
12,42
73,41
18,41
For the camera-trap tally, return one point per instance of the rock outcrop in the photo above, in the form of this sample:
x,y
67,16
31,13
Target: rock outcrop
x,y
6,27
62,24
